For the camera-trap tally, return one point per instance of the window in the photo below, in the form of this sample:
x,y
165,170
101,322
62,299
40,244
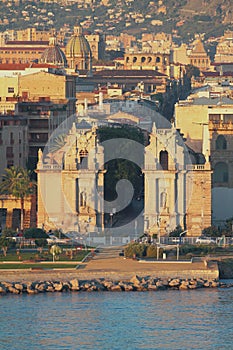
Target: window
x,y
11,90
221,142
9,152
3,214
215,118
11,138
163,160
16,218
83,159
221,172
228,118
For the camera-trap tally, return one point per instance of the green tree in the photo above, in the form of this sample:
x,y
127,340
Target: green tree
x,y
35,232
4,244
211,231
227,230
176,232
17,182
135,249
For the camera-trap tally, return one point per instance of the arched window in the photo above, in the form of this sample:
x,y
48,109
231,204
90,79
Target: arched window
x,y
157,59
149,59
163,160
221,172
143,59
83,159
221,142
127,59
134,59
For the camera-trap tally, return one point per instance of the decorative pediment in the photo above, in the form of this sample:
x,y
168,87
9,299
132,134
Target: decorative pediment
x,y
123,115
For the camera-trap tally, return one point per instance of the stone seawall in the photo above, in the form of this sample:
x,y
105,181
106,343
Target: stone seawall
x,y
136,283
225,268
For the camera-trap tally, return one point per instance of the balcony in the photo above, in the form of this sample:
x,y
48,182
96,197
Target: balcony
x,y
198,167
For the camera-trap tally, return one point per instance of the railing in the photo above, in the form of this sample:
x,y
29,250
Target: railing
x,y
194,167
51,167
192,240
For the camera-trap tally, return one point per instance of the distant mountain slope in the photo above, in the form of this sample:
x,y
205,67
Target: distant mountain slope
x,y
211,17
180,17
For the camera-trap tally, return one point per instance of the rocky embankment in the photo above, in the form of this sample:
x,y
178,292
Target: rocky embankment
x,y
136,283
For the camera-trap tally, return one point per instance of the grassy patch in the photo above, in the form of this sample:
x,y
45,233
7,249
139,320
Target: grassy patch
x,y
15,266
35,256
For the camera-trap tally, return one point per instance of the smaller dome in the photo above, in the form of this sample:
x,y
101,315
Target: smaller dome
x,y
78,45
54,54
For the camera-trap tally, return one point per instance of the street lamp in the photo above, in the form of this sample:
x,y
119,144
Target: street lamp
x,y
178,245
111,215
158,223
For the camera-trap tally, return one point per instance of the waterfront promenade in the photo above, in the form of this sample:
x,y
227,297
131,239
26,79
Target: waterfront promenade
x,y
111,265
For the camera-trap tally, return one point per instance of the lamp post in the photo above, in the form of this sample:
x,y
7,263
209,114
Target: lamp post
x,y
89,234
158,246
111,215
158,223
202,213
178,245
177,251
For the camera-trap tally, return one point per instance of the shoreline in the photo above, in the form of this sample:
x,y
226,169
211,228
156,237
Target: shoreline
x,y
114,274
134,284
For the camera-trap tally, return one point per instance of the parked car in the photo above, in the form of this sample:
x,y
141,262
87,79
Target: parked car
x,y
205,240
53,240
176,239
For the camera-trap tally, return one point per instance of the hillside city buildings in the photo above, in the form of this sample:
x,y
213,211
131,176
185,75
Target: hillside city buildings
x,y
52,84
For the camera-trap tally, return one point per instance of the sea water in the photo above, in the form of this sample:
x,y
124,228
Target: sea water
x,y
195,319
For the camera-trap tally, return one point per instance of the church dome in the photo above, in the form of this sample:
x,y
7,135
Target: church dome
x,y
54,54
78,45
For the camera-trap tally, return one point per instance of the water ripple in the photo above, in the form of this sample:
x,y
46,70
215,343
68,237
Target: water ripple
x,y
199,319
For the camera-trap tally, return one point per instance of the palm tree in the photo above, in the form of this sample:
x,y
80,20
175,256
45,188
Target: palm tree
x,y
55,250
17,182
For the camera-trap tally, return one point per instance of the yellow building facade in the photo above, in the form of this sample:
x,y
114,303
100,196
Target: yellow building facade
x,y
207,124
142,60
